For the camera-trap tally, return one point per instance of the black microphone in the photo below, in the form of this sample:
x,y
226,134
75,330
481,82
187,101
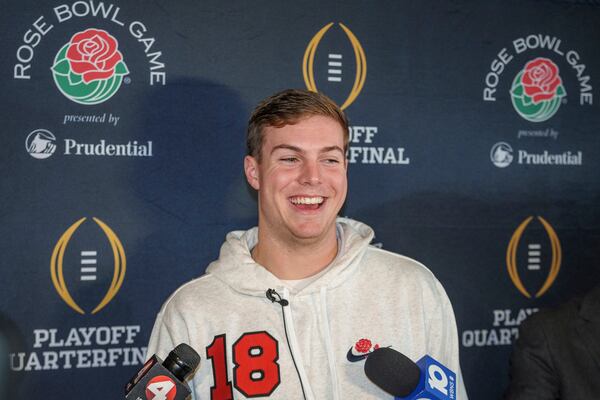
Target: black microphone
x,y
401,377
158,380
392,371
276,298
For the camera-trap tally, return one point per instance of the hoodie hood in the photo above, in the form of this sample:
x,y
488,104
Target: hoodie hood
x,y
237,269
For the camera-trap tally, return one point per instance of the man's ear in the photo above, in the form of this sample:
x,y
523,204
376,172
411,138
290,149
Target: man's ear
x,y
251,171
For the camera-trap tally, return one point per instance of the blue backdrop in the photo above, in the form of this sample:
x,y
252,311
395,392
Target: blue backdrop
x,y
474,149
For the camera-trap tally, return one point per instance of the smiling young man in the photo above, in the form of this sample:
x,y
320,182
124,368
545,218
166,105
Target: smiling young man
x,y
292,307
299,171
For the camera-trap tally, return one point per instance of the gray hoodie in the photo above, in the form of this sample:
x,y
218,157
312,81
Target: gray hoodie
x,y
253,347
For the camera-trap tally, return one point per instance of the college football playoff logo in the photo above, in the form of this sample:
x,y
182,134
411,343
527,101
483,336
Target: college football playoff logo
x,y
88,266
89,69
534,257
537,90
335,64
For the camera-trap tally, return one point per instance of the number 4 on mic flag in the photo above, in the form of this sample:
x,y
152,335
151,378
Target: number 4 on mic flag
x,y
161,388
436,383
155,382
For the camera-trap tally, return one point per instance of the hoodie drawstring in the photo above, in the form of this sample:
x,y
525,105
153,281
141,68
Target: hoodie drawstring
x,y
329,344
292,341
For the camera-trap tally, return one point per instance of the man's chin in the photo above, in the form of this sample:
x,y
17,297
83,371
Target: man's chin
x,y
311,232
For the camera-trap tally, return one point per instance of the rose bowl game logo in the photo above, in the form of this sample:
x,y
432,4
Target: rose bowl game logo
x,y
89,69
537,90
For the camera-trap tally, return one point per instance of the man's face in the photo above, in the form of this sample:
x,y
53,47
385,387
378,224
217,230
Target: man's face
x,y
301,179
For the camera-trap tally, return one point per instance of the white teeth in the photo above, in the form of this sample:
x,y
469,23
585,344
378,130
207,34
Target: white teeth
x,y
307,200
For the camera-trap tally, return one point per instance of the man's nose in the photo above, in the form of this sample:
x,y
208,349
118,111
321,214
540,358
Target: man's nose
x,y
311,173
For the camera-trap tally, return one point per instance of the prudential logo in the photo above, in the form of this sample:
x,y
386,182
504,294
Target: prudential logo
x,y
501,154
40,144
89,69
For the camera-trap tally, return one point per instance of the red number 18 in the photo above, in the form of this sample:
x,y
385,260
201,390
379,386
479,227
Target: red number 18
x,y
256,371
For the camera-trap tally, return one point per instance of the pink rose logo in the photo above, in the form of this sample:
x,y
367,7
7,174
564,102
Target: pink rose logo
x,y
363,345
89,69
540,79
537,91
93,54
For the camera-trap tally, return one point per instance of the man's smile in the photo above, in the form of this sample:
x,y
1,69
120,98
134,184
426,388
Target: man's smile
x,y
307,202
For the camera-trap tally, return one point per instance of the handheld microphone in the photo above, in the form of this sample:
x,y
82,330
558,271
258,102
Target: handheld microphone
x,y
158,380
404,379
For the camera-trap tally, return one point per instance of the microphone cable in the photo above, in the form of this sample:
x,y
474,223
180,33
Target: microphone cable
x,y
276,298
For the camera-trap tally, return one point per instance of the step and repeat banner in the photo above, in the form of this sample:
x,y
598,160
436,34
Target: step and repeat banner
x,y
475,148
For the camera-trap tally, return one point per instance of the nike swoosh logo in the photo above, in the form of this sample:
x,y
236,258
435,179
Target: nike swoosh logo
x,y
353,358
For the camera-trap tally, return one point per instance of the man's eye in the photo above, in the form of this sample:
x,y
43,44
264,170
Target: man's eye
x,y
332,161
289,159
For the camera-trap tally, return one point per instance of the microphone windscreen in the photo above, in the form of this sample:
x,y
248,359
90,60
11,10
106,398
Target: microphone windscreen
x,y
392,371
182,360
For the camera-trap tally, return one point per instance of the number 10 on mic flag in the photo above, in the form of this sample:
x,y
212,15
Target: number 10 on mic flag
x,y
436,382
